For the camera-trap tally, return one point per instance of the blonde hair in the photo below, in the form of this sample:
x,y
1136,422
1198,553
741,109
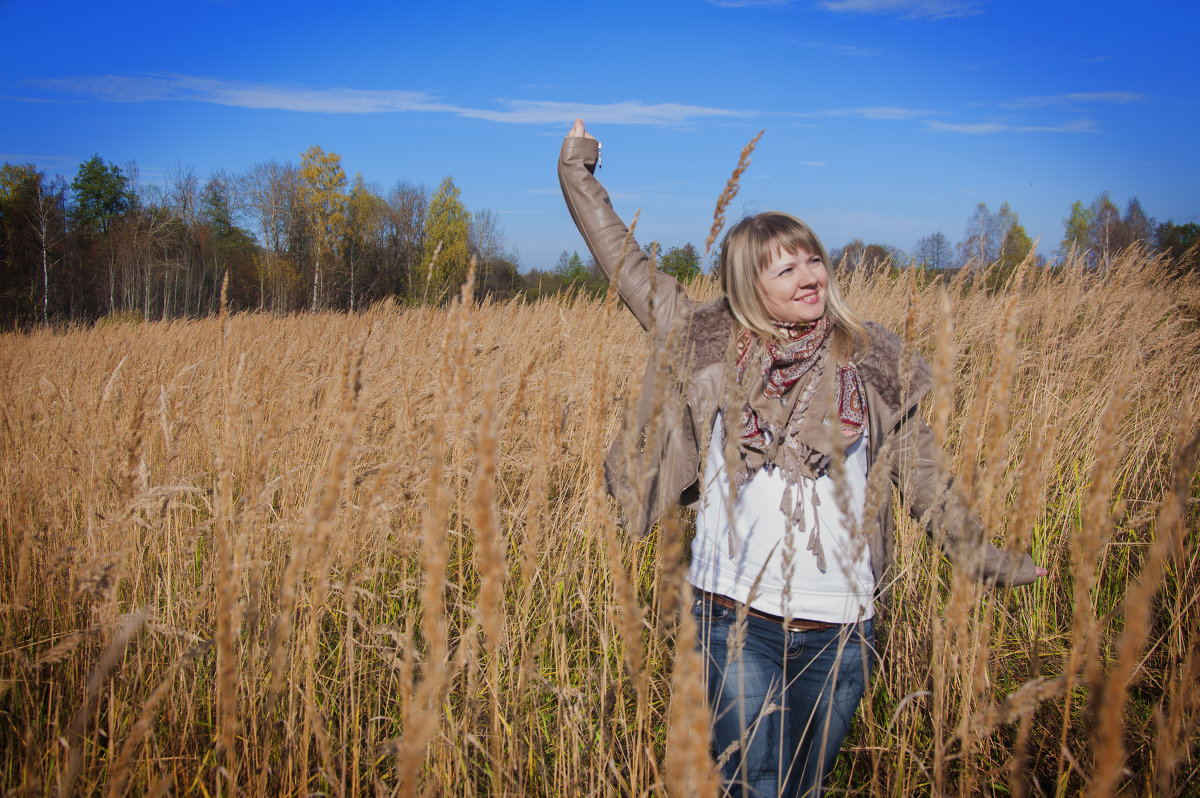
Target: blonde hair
x,y
750,246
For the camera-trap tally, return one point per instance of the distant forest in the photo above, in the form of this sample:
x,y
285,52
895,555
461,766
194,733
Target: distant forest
x,y
289,238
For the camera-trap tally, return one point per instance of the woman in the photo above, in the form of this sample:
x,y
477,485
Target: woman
x,y
795,416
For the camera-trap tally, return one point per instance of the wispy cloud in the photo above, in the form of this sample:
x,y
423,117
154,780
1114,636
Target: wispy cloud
x,y
910,9
813,163
309,99
874,112
750,3
17,157
623,113
844,49
325,100
1075,99
896,113
189,88
984,128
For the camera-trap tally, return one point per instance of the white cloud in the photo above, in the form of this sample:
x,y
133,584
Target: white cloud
x,y
813,163
983,128
1077,98
844,49
976,128
308,99
750,3
623,113
895,113
16,158
189,88
874,112
911,9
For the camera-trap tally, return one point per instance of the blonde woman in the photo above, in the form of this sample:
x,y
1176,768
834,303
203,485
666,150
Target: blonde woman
x,y
792,408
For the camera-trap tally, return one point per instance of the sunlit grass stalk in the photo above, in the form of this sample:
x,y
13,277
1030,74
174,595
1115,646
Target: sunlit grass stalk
x,y
490,552
1138,608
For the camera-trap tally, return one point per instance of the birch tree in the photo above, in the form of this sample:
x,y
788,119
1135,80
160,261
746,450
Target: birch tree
x,y
323,203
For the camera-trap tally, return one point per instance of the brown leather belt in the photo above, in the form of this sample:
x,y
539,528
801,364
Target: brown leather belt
x,y
794,625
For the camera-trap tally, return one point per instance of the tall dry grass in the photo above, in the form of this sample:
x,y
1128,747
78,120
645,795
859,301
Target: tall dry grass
x,y
342,554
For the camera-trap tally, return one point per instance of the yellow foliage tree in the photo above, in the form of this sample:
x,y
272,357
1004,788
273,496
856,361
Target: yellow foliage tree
x,y
446,225
323,202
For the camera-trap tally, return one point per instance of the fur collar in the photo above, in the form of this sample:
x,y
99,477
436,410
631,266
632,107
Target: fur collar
x,y
712,323
880,367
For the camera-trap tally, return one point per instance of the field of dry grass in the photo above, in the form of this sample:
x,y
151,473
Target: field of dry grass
x,y
331,554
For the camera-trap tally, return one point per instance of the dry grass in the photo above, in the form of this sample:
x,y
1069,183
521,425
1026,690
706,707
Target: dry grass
x,y
337,554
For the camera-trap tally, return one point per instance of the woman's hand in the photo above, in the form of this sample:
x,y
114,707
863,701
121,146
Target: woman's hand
x,y
577,131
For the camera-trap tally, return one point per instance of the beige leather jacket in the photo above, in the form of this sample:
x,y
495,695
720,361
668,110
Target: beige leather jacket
x,y
656,459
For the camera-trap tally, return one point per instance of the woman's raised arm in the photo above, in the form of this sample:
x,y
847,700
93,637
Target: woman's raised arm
x,y
607,237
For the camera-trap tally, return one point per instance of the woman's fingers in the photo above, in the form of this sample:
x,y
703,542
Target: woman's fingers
x,y
578,132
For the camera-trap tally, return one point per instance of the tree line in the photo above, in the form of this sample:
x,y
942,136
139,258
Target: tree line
x,y
1097,233
572,273
286,237
283,237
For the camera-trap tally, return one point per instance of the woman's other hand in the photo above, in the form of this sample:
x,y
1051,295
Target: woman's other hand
x,y
577,131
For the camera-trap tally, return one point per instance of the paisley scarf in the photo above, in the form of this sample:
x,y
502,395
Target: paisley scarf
x,y
785,419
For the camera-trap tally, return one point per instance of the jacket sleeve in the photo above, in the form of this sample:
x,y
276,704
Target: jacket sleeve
x,y
935,501
653,297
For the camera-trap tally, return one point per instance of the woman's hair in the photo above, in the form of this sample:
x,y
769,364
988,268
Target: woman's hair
x,y
750,246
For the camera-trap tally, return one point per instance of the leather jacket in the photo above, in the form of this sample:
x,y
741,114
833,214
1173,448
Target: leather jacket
x,y
655,460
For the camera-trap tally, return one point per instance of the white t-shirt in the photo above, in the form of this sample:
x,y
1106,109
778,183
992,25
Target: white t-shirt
x,y
763,547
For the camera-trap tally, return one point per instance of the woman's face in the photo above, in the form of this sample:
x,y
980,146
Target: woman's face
x,y
794,287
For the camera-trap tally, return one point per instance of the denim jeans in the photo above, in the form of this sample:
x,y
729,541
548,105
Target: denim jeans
x,y
781,701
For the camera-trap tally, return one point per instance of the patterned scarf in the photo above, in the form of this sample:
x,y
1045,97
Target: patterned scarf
x,y
781,380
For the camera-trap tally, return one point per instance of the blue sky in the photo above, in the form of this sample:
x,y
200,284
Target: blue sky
x,y
885,119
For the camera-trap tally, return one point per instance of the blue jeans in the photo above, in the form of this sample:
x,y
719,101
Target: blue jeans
x,y
783,703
